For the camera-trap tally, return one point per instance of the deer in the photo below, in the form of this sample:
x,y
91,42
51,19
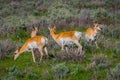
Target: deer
x,y
39,42
91,34
65,39
34,32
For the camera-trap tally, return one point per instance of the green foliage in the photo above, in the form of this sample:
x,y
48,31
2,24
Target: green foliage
x,y
116,53
60,70
31,75
78,69
114,74
99,62
72,54
111,31
59,10
14,73
101,14
113,3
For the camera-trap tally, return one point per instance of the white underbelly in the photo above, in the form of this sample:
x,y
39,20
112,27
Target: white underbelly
x,y
67,41
33,45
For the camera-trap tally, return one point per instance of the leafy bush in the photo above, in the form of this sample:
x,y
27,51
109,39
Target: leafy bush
x,y
101,15
43,22
111,31
114,74
59,10
110,3
7,11
72,54
52,44
14,73
31,75
76,70
60,71
12,24
99,62
116,50
6,47
83,18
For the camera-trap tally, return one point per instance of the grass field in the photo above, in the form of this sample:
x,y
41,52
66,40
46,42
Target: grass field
x,y
56,68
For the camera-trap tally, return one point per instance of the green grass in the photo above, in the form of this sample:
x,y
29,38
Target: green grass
x,y
41,69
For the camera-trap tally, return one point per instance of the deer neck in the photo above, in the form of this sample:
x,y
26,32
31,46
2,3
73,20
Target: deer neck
x,y
54,35
23,48
95,31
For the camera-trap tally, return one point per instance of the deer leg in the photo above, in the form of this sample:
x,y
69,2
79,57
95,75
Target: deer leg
x,y
33,55
40,50
96,44
66,48
45,49
78,44
62,46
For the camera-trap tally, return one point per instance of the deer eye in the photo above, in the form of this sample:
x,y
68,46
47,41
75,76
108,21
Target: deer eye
x,y
15,53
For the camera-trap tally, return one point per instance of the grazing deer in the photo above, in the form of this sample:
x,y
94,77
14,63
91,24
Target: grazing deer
x,y
92,33
38,42
34,32
66,38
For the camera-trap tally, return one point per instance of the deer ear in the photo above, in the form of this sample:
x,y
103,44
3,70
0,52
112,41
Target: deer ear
x,y
49,28
36,28
54,27
95,24
33,27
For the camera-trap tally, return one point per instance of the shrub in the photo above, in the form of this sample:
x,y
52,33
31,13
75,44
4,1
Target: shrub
x,y
6,47
15,73
111,31
13,24
47,75
102,16
72,54
114,74
4,29
60,71
31,75
116,50
7,11
59,10
76,70
99,62
52,44
83,18
43,22
111,4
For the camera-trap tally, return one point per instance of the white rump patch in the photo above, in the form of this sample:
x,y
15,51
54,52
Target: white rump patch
x,y
43,40
78,34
